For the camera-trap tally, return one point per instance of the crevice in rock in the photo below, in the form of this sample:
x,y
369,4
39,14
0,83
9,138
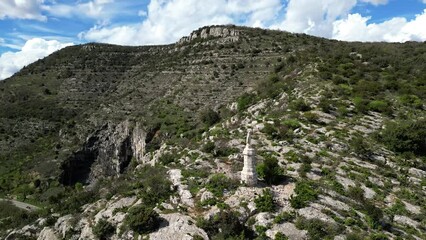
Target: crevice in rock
x,y
125,154
77,168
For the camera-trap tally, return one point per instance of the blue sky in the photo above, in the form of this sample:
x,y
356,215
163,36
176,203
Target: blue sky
x,y
32,29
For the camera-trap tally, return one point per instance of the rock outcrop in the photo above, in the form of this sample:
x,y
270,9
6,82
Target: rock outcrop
x,y
226,34
107,152
178,227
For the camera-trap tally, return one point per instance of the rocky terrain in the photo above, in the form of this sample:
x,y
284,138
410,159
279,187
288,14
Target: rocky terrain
x,y
119,142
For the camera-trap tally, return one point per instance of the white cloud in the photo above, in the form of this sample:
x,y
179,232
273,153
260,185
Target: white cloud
x,y
377,2
168,20
22,9
34,49
314,17
96,9
356,28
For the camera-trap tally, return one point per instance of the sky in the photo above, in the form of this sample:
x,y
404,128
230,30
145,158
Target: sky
x,y
33,29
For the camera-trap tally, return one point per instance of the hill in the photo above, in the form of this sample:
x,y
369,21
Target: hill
x,y
339,128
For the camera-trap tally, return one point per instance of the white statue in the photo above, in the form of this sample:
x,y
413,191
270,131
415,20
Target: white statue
x,y
248,174
248,139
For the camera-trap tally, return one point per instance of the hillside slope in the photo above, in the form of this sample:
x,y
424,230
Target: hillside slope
x,y
339,128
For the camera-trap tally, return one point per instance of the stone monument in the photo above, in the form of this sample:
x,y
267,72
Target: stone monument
x,y
248,174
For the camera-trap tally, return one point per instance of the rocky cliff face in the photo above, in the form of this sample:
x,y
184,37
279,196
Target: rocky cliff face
x,y
223,33
107,152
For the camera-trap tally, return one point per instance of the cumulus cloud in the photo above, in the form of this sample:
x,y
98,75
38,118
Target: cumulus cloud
x,y
356,28
22,9
168,20
34,49
314,17
96,9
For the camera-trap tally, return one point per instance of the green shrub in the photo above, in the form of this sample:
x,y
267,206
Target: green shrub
x,y
245,101
103,229
360,146
270,171
305,193
280,236
311,117
291,123
265,202
378,236
361,105
209,117
412,101
142,219
284,217
356,193
380,106
218,183
398,208
318,229
166,158
300,105
208,147
154,186
277,131
374,214
405,136
225,225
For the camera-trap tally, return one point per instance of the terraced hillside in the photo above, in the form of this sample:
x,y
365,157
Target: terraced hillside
x,y
97,134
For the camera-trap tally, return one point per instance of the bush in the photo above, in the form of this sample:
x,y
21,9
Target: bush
x,y
277,131
265,202
218,183
280,236
380,106
269,170
225,225
284,217
361,105
356,193
305,194
166,158
155,187
103,229
318,229
245,101
374,214
360,146
142,219
208,147
209,117
291,123
405,136
300,105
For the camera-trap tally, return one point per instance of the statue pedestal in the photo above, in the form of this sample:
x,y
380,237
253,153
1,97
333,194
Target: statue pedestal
x,y
248,174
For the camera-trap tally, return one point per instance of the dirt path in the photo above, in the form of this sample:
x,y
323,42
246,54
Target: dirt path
x,y
21,205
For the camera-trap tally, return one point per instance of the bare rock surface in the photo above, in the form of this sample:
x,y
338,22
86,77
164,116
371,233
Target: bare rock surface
x,y
185,195
47,234
178,226
314,211
406,221
289,229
